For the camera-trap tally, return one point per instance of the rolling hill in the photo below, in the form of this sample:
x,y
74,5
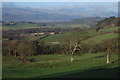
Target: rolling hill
x,y
97,37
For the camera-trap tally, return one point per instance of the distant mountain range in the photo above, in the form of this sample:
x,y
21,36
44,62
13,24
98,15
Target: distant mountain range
x,y
12,13
19,14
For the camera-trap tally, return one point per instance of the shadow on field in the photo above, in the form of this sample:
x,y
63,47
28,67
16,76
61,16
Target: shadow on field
x,y
91,73
99,56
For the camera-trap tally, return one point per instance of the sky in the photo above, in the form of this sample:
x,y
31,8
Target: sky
x,y
84,8
56,5
60,0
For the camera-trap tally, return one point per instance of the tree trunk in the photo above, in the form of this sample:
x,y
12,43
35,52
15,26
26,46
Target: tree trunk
x,y
9,53
108,53
15,53
72,57
90,51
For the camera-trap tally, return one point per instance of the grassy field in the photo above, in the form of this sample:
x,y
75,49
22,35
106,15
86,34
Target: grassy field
x,y
20,26
65,36
24,25
91,33
32,37
59,66
108,29
99,38
57,37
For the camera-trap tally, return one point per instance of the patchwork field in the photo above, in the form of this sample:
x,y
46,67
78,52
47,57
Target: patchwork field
x,y
20,26
25,25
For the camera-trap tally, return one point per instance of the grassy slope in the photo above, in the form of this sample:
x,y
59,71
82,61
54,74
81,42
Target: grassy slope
x,y
72,25
91,33
99,38
65,36
59,65
46,66
31,37
101,35
108,29
57,37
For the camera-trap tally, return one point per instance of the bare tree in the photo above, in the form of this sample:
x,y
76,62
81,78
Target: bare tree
x,y
75,40
108,55
109,45
74,46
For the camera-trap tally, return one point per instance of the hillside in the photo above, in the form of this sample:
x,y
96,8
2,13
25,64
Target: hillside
x,y
83,23
106,22
59,40
41,58
102,34
16,14
59,66
87,20
100,38
23,25
56,38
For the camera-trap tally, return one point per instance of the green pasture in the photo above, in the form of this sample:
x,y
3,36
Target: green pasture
x,y
99,38
59,66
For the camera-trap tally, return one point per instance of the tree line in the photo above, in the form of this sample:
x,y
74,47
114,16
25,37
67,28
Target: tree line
x,y
27,48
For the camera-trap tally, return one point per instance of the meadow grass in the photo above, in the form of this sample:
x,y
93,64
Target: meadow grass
x,y
91,33
65,36
32,37
56,38
59,66
96,36
108,29
99,38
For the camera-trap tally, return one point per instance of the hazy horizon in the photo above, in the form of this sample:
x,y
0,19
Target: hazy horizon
x,y
55,10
